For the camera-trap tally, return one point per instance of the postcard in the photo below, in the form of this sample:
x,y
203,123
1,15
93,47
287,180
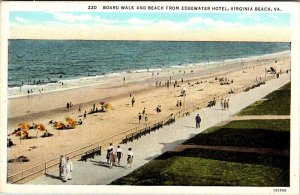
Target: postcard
x,y
150,97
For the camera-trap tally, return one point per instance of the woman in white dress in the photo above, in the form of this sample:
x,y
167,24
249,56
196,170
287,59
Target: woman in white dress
x,y
69,169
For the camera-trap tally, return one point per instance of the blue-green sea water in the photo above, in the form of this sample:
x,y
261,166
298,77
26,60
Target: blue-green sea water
x,y
49,61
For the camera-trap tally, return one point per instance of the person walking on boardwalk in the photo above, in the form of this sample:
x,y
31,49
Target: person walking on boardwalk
x,y
227,104
62,167
172,118
110,148
214,102
119,154
198,121
222,104
140,117
69,169
112,158
129,158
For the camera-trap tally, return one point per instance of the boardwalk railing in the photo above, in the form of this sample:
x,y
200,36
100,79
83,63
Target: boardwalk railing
x,y
123,137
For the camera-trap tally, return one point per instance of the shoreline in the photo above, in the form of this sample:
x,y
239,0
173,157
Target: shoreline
x,y
117,87
107,78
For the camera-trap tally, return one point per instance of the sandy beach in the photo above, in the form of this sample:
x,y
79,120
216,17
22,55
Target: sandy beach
x,y
95,172
41,108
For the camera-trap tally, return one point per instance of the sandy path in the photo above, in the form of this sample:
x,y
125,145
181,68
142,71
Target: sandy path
x,y
168,138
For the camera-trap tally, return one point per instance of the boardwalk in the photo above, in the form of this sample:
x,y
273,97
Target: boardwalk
x,y
168,138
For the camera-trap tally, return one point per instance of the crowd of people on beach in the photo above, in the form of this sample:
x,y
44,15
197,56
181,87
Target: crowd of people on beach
x,y
143,115
224,80
179,104
30,91
168,83
95,110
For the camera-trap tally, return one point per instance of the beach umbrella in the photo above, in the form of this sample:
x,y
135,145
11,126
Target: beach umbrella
x,y
70,120
21,133
108,106
59,125
24,126
40,127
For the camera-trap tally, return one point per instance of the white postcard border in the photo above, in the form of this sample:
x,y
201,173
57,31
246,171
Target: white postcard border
x,y
287,7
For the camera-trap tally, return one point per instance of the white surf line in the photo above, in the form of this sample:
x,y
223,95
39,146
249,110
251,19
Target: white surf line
x,y
167,138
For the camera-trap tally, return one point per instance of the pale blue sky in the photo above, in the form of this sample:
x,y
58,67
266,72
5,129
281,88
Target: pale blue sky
x,y
150,26
121,18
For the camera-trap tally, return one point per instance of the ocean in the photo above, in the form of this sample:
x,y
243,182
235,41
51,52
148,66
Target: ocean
x,y
44,62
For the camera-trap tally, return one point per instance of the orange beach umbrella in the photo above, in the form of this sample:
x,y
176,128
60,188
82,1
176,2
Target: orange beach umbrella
x,y
71,122
21,133
59,125
24,126
40,127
